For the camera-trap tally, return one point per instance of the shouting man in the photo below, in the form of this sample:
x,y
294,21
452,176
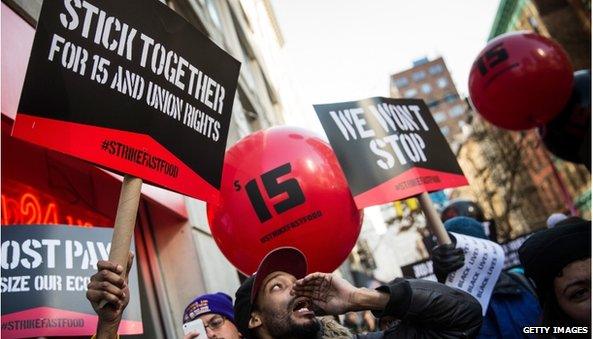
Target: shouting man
x,y
282,301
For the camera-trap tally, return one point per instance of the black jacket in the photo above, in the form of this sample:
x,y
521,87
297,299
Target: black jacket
x,y
427,309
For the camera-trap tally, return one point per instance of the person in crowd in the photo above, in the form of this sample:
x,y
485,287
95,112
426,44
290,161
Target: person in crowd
x,y
513,304
216,312
287,308
558,260
282,301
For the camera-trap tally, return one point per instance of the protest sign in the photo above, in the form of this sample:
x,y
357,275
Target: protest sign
x,y
389,149
131,86
483,264
423,269
45,272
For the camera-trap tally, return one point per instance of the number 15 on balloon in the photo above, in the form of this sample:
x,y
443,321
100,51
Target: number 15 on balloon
x,y
273,187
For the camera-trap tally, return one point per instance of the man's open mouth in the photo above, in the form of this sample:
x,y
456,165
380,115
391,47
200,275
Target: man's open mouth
x,y
302,307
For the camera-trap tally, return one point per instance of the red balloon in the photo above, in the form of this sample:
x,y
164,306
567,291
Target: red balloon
x,y
284,187
520,80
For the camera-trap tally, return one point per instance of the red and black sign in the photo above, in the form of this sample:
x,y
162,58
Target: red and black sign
x,y
45,273
131,86
389,149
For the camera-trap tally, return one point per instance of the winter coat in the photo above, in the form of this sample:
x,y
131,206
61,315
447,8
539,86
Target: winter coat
x,y
512,307
426,309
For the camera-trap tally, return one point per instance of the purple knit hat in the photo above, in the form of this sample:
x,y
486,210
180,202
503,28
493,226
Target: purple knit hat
x,y
217,303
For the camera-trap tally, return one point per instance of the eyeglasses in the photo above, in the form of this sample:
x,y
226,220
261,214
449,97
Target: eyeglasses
x,y
215,322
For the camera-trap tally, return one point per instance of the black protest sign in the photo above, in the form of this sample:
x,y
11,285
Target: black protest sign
x,y
389,149
131,86
45,272
422,269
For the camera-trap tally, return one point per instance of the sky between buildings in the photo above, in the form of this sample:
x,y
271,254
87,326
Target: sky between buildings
x,y
343,50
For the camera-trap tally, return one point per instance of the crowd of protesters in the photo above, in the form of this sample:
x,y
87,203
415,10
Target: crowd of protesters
x,y
284,300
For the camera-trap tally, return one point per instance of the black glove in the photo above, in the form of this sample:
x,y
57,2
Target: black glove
x,y
446,259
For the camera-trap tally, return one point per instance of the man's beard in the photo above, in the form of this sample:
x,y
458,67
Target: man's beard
x,y
285,327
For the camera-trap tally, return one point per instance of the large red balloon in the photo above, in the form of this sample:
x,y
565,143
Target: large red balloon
x,y
284,187
520,80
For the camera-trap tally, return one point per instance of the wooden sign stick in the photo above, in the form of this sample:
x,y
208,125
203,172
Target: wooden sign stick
x,y
125,221
432,219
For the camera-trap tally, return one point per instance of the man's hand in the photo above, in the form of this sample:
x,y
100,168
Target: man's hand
x,y
109,284
335,295
446,259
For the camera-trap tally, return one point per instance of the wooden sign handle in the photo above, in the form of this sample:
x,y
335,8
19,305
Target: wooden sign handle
x,y
125,220
433,220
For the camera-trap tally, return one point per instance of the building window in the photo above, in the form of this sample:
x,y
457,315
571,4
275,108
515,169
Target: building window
x,y
439,117
442,82
417,76
410,93
426,88
445,130
401,82
450,97
456,111
420,62
435,69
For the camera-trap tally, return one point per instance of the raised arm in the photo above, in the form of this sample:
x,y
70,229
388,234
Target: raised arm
x,y
430,310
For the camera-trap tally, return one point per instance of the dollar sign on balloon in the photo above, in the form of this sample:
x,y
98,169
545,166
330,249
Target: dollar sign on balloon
x,y
284,187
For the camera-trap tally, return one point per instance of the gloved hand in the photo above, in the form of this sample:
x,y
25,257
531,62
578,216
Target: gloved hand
x,y
446,259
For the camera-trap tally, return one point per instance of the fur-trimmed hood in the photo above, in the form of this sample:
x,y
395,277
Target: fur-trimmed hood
x,y
332,329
